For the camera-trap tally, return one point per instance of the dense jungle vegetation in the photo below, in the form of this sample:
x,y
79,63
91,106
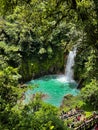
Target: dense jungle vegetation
x,y
35,38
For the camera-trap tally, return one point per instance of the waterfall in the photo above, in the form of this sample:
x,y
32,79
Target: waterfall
x,y
69,72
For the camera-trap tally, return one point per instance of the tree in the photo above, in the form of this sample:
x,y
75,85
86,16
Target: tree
x,y
9,92
90,94
35,35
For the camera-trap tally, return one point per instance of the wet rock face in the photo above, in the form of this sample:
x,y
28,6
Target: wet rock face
x,y
44,96
68,96
52,70
30,69
80,84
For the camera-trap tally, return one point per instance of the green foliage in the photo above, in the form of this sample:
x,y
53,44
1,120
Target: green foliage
x,y
70,102
87,64
90,94
35,115
9,55
9,92
32,40
34,35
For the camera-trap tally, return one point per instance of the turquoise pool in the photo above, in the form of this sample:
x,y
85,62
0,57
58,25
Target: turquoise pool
x,y
54,87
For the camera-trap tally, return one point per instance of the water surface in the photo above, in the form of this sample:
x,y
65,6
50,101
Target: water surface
x,y
54,87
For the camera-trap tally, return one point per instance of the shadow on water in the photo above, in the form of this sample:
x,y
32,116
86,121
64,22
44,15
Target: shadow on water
x,y
47,77
72,85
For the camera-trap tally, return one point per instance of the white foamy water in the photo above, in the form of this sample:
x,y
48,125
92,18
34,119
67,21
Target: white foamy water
x,y
62,78
69,72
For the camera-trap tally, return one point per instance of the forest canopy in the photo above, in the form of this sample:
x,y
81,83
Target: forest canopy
x,y
35,38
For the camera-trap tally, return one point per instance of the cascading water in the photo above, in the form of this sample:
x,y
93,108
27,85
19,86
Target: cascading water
x,y
69,72
54,88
